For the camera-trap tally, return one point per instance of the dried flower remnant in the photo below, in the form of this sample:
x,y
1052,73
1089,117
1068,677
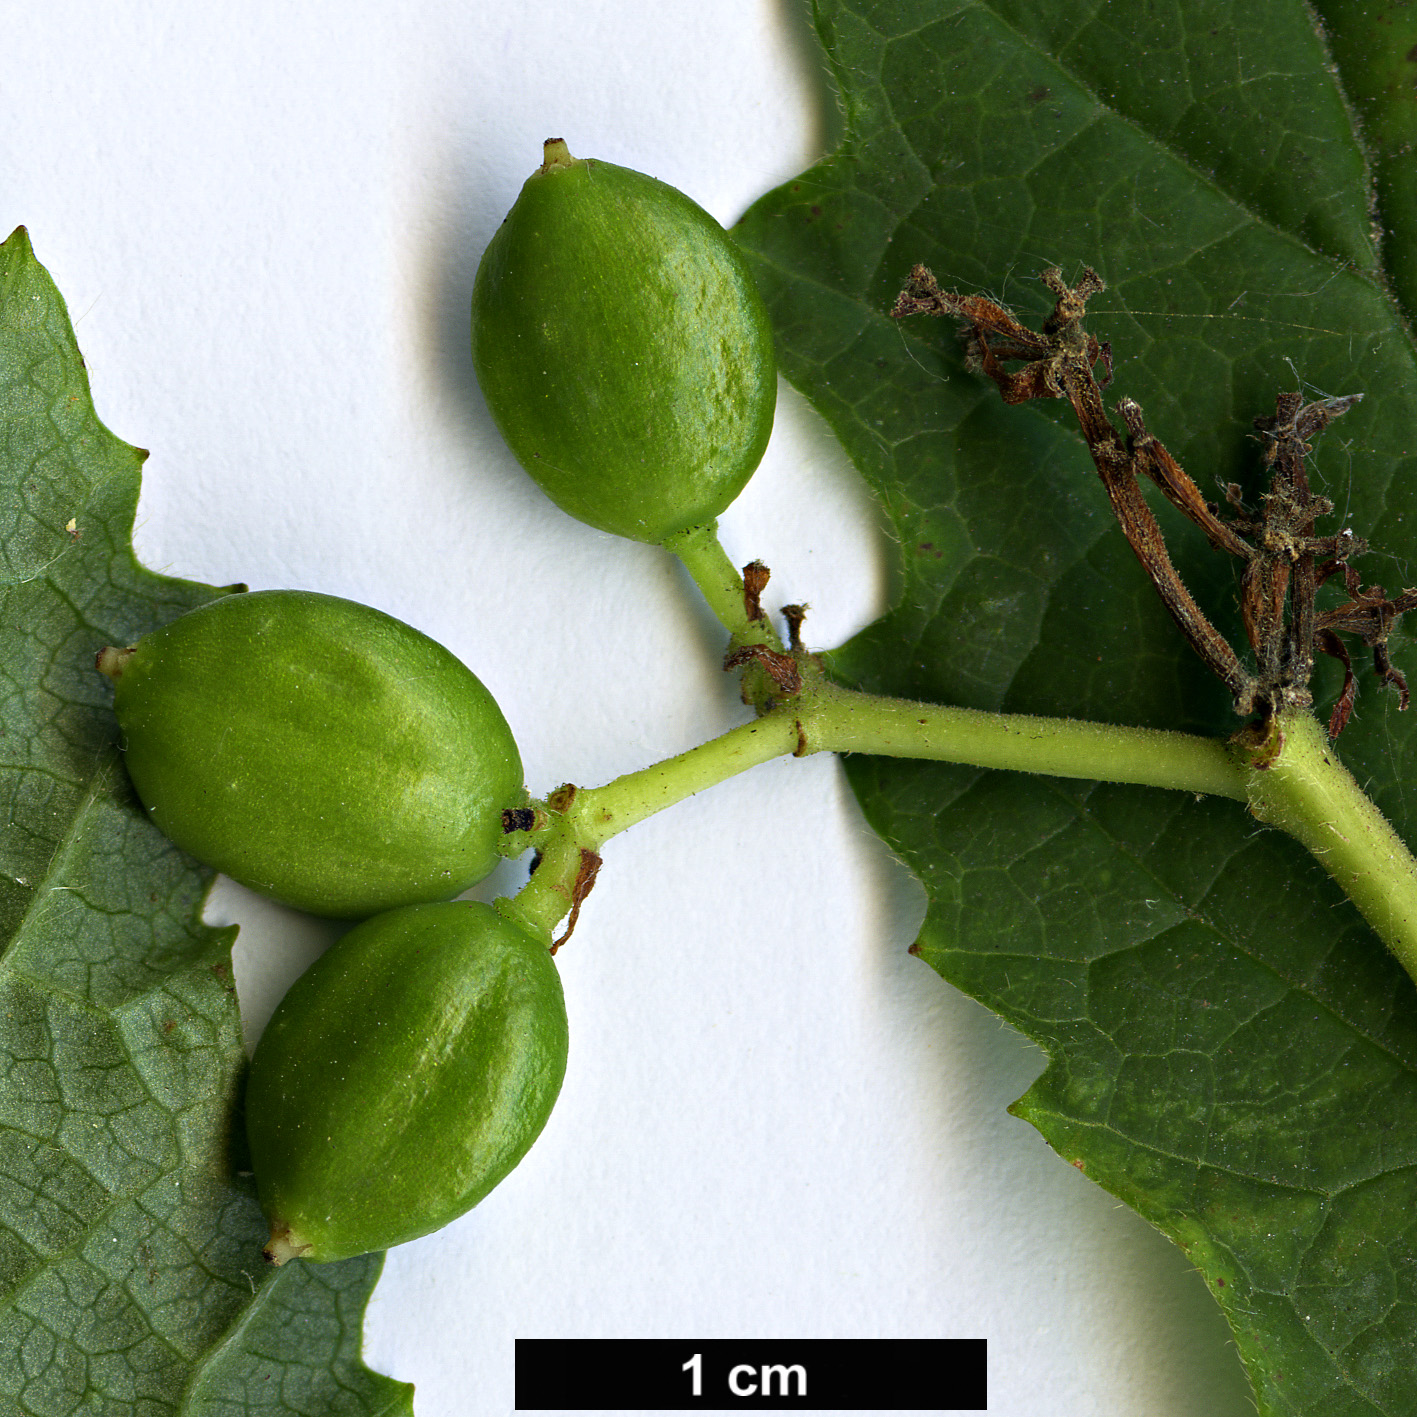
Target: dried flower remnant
x,y
1285,560
1370,615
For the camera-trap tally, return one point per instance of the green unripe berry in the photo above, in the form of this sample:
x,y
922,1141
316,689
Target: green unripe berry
x,y
317,750
403,1076
623,349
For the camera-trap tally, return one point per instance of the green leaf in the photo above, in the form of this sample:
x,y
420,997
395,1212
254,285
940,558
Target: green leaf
x,y
1230,1049
1376,50
131,1278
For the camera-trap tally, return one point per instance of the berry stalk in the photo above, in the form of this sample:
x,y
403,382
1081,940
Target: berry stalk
x,y
1293,781
733,602
824,717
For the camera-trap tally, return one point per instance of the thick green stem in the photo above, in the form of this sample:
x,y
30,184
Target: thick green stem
x,y
824,718
592,816
606,811
845,722
1296,782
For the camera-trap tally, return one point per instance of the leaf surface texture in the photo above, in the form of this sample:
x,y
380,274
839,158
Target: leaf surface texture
x,y
131,1278
1231,1050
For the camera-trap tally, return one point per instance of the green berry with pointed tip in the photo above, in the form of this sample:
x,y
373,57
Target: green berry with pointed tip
x,y
401,1078
623,349
316,750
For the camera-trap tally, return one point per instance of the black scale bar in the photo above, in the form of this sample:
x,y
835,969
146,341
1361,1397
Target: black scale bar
x,y
829,1375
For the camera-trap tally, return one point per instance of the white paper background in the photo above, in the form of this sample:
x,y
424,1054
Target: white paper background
x,y
266,220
